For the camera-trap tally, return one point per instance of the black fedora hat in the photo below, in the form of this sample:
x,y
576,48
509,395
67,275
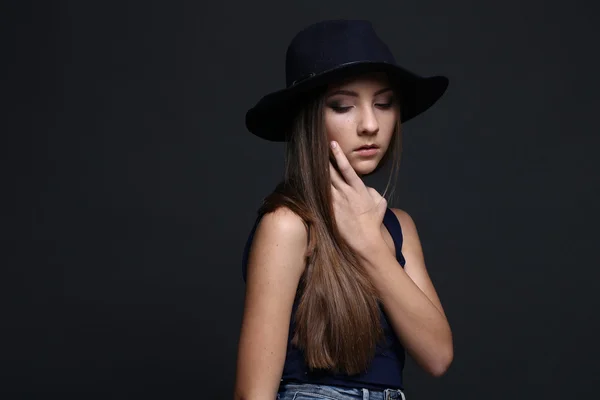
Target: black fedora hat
x,y
333,49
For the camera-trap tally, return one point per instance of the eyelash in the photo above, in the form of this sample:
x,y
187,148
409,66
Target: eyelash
x,y
340,109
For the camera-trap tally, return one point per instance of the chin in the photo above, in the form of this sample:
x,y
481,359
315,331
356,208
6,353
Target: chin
x,y
365,168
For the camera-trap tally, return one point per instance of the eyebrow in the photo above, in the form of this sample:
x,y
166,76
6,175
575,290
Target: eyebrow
x,y
354,94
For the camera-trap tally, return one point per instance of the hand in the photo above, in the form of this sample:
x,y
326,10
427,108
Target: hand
x,y
358,209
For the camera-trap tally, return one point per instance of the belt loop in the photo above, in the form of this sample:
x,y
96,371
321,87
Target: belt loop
x,y
365,394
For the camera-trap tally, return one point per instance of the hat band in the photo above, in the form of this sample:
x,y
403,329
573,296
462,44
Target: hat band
x,y
302,78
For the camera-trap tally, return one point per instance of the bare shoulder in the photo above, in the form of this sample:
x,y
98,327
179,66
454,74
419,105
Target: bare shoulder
x,y
282,227
280,240
411,244
283,221
406,222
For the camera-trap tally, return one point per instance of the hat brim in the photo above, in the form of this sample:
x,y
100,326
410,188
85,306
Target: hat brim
x,y
268,119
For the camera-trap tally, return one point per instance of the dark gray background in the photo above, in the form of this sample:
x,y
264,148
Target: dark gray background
x,y
132,185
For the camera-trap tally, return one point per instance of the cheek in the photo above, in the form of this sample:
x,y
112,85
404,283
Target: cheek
x,y
338,127
389,125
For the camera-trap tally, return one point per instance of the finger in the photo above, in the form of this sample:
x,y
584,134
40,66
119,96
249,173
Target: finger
x,y
334,195
344,166
336,179
336,199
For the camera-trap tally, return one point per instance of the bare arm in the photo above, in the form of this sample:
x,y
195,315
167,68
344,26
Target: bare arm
x,y
407,293
410,300
275,264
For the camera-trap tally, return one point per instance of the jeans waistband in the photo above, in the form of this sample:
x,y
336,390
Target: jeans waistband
x,y
290,391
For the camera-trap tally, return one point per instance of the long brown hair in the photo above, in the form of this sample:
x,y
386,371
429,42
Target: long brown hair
x,y
337,319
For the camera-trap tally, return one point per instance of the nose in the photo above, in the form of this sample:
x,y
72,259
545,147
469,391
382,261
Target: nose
x,y
368,124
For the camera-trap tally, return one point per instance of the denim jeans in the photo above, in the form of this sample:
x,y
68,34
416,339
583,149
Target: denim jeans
x,y
306,391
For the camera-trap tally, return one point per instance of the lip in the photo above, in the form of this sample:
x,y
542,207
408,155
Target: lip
x,y
367,150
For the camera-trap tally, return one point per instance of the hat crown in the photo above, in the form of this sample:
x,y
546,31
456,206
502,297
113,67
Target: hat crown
x,y
328,44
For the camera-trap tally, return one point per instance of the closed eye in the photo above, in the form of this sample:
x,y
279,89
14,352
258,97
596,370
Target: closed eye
x,y
385,105
342,109
339,109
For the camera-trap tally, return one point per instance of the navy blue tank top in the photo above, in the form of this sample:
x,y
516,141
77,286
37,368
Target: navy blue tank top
x,y
384,371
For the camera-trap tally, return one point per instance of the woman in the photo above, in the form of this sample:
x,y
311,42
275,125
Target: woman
x,y
336,285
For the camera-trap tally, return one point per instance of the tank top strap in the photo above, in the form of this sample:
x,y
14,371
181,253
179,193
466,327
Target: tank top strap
x,y
393,226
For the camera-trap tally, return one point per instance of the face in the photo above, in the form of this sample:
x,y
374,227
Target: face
x,y
361,115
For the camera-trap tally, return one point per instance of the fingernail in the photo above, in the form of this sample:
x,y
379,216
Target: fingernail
x,y
333,144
